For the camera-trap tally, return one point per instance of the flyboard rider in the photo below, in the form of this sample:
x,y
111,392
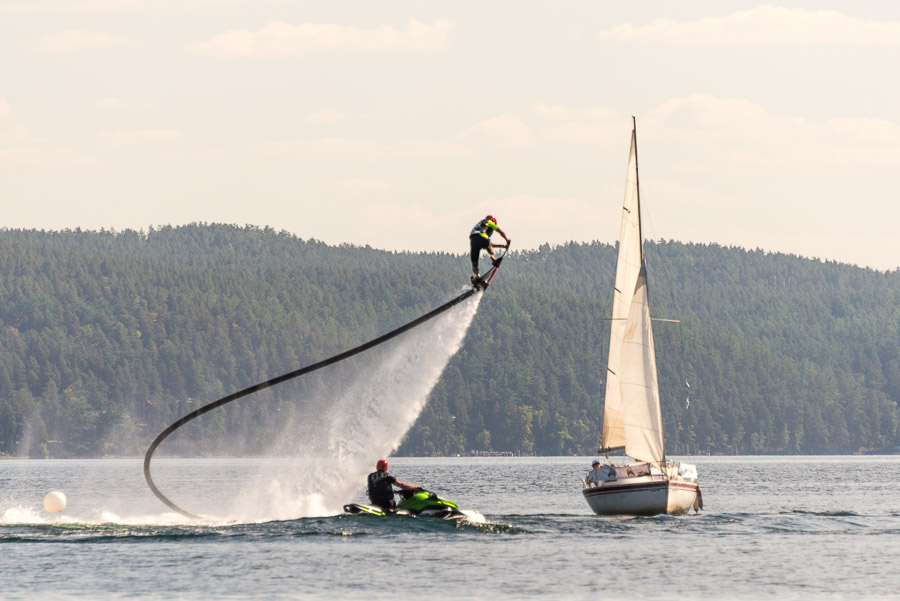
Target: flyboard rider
x,y
381,486
480,239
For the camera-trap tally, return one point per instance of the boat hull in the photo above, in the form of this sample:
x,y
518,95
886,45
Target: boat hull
x,y
644,496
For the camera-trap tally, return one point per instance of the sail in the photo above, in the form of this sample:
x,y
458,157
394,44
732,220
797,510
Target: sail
x,y
638,380
628,266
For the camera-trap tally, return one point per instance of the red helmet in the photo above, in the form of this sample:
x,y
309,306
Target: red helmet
x,y
491,218
381,466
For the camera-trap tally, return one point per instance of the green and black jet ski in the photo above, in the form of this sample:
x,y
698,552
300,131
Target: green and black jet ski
x,y
416,503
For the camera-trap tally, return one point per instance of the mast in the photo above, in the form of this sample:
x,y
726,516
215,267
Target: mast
x,y
637,186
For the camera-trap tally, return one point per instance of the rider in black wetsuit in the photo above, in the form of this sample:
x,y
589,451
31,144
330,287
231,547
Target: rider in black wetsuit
x,y
480,239
381,490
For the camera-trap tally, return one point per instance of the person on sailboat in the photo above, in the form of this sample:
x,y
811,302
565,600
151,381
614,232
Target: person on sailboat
x,y
480,239
593,476
381,486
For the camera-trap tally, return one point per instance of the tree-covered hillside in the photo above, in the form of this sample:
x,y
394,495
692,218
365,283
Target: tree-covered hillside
x,y
107,337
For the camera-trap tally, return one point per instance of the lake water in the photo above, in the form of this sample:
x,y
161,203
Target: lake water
x,y
773,527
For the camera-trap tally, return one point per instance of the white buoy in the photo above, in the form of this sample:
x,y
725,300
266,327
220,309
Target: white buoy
x,y
55,501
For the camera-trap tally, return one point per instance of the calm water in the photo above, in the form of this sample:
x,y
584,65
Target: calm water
x,y
773,527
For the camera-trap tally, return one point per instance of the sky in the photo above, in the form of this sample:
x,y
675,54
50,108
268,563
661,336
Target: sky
x,y
399,124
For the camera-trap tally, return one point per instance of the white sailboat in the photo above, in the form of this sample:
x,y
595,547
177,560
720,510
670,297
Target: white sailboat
x,y
632,421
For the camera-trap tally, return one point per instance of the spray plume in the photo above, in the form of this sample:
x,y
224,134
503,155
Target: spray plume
x,y
355,413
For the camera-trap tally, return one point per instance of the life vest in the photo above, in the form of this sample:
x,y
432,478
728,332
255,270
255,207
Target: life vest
x,y
484,228
381,491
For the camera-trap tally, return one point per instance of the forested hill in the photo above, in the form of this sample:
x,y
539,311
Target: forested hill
x,y
107,337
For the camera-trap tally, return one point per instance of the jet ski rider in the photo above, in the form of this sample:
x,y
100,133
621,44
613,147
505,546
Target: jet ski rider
x,y
480,239
381,490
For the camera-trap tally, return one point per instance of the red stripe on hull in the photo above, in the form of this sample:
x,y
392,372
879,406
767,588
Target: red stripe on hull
x,y
606,490
683,486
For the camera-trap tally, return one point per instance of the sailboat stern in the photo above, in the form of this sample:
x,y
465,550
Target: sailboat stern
x,y
682,497
684,489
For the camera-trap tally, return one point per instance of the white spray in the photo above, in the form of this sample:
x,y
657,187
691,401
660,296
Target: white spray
x,y
348,416
362,414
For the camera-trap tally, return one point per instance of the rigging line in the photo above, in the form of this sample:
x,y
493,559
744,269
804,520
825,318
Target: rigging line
x,y
681,343
294,374
665,271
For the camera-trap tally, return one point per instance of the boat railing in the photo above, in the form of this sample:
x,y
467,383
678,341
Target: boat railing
x,y
617,473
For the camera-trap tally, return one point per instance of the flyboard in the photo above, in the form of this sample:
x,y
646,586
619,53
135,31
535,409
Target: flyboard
x,y
477,286
483,281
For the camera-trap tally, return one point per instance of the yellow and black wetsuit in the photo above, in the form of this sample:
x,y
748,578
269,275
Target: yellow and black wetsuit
x,y
480,238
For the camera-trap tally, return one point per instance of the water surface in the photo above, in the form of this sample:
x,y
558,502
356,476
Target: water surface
x,y
773,527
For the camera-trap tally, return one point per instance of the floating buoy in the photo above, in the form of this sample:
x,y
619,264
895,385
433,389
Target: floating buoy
x,y
55,501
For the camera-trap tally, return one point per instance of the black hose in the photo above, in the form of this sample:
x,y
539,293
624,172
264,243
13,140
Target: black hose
x,y
288,376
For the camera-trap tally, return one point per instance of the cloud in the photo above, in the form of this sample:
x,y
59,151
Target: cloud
x,y
738,136
139,137
582,131
602,114
506,131
525,218
762,26
109,103
713,167
284,40
876,131
556,124
69,42
206,157
19,148
84,6
43,156
545,111
15,134
340,149
700,134
326,116
328,149
361,186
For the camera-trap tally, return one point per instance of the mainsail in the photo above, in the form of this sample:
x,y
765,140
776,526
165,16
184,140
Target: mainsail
x,y
638,381
631,414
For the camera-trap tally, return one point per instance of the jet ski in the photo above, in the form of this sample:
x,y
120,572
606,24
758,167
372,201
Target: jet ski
x,y
416,503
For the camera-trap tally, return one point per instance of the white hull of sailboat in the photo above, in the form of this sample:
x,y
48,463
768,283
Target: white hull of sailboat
x,y
643,496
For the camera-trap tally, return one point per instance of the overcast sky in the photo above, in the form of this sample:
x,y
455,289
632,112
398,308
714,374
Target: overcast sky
x,y
399,124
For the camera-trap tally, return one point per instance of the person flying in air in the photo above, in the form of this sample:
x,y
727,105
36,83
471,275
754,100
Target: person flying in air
x,y
381,489
480,239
